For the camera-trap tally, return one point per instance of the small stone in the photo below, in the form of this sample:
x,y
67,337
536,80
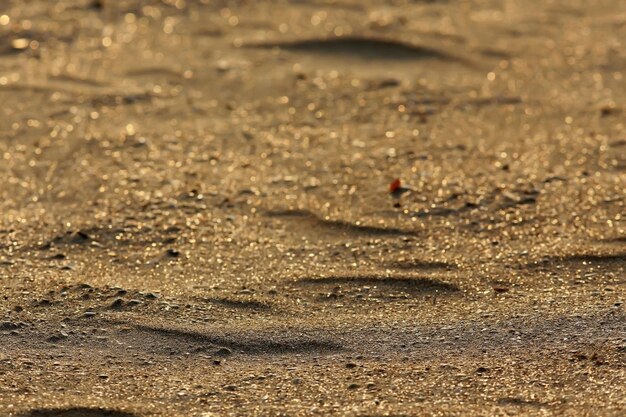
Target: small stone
x,y
151,296
7,325
223,352
103,376
172,253
117,304
80,237
230,388
217,362
609,110
134,302
57,337
481,370
350,365
89,314
353,386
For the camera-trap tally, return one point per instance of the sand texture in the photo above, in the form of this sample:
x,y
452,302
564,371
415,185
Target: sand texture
x,y
196,216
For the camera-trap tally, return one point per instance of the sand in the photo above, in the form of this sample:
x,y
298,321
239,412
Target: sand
x,y
196,220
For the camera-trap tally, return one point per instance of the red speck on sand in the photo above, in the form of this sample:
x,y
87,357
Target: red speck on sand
x,y
395,185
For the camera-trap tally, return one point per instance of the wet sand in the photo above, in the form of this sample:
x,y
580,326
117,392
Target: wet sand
x,y
196,220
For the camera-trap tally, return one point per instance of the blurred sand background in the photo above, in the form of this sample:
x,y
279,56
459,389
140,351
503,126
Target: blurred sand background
x,y
195,217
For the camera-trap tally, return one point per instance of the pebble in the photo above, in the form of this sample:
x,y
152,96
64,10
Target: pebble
x,y
80,237
117,304
223,352
89,314
7,325
57,337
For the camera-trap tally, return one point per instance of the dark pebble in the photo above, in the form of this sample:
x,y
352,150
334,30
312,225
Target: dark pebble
x,y
57,337
80,237
223,352
117,304
7,325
